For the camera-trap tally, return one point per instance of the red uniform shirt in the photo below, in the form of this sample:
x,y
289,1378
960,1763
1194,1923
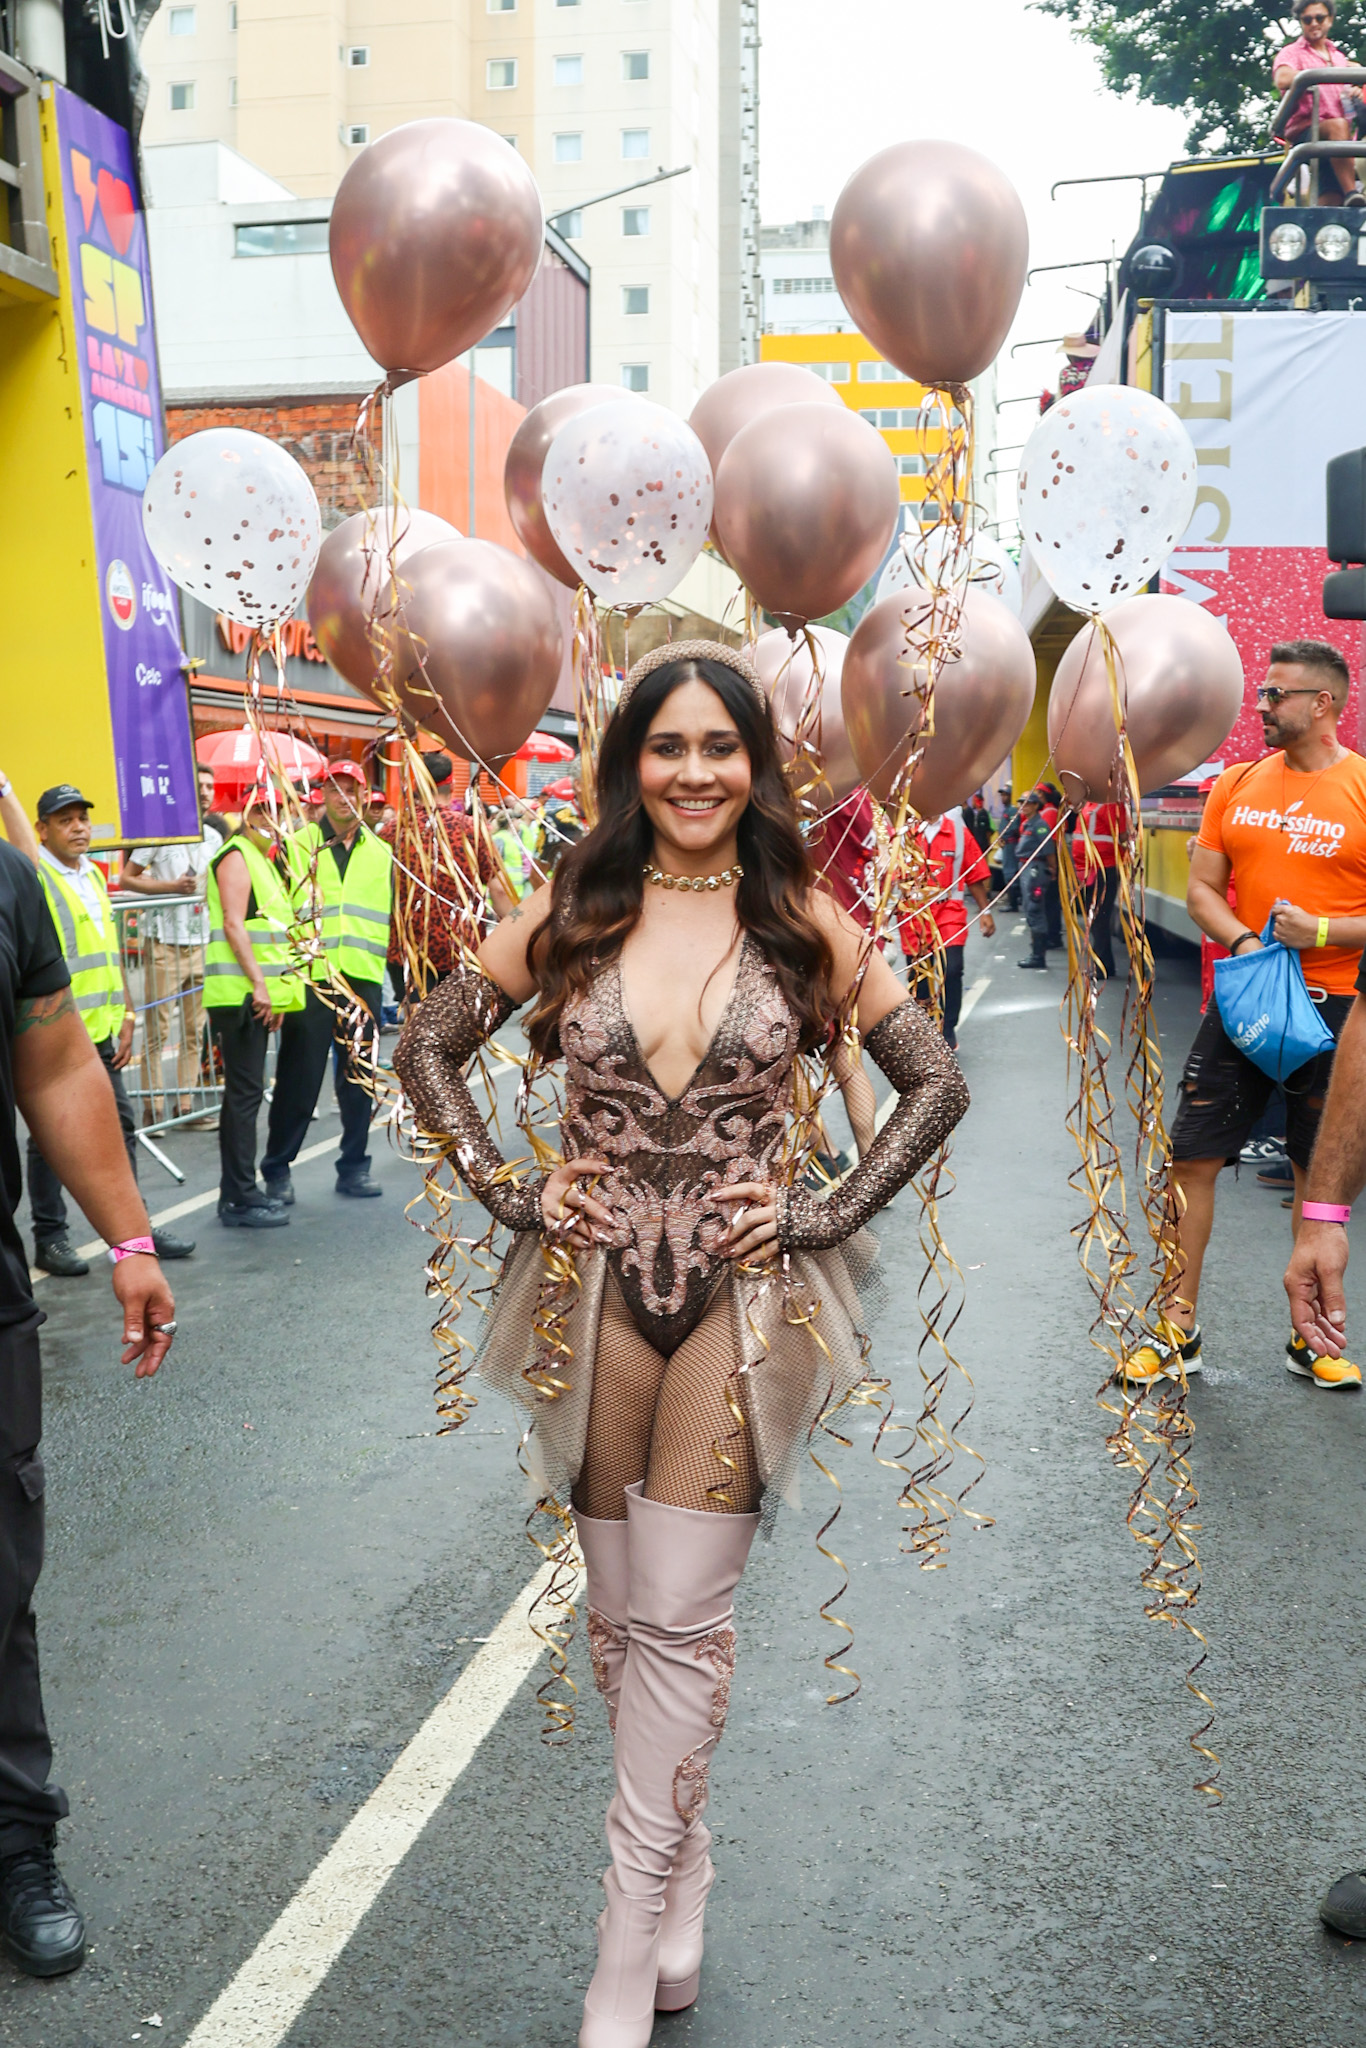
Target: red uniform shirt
x,y
1106,822
955,861
844,852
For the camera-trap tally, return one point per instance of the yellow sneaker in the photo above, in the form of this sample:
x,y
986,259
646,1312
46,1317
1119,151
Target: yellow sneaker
x,y
1336,1373
1162,1356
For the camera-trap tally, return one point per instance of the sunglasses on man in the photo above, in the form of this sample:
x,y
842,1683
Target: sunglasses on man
x,y
1272,694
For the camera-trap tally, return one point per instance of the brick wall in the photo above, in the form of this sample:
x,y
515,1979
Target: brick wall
x,y
317,432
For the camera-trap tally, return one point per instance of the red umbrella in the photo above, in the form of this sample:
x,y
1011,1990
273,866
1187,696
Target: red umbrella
x,y
235,757
563,788
542,747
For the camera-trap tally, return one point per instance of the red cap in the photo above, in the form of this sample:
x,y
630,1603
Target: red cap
x,y
337,769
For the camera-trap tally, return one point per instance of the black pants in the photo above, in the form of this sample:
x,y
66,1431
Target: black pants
x,y
306,1038
29,1804
923,991
44,1189
1105,891
241,1040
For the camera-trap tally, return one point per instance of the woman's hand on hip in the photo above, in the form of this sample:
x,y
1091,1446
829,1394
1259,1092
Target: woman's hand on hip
x,y
570,1214
754,1223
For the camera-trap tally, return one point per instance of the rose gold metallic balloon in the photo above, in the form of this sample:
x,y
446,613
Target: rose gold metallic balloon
x,y
806,505
1181,684
479,654
436,233
982,697
747,394
784,666
929,247
526,460
353,586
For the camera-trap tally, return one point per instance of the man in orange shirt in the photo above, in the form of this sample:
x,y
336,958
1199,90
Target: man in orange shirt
x,y
1289,832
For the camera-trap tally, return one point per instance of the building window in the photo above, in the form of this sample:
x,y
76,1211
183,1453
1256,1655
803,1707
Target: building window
x,y
911,465
501,6
635,142
566,3
500,74
636,376
635,63
356,134
783,285
635,298
281,238
635,220
232,17
570,224
232,92
511,141
180,21
569,149
881,373
833,373
182,97
569,71
358,56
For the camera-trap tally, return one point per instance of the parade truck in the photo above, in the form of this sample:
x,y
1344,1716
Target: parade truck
x,y
95,686
1241,301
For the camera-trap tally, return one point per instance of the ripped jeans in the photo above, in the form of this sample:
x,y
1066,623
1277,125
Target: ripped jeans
x,y
1223,1093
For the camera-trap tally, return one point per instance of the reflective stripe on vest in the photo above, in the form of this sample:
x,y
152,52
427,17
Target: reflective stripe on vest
x,y
225,985
92,952
355,908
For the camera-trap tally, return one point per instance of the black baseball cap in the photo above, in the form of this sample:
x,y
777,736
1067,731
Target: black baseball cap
x,y
59,798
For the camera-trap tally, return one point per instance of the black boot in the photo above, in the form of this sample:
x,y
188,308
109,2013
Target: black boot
x,y
58,1257
169,1246
359,1184
40,1922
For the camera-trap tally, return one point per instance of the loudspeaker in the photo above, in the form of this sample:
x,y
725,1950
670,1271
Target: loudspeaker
x,y
1346,481
1344,594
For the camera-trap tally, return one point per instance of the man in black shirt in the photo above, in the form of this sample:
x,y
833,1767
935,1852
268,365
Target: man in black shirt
x,y
51,1072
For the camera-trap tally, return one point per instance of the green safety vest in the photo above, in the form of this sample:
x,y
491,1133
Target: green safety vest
x,y
225,985
351,909
513,844
91,946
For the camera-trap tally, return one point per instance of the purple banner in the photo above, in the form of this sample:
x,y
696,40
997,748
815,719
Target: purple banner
x,y
111,290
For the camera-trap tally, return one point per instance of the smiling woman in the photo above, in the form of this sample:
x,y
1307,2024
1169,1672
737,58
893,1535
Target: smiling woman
x,y
676,1311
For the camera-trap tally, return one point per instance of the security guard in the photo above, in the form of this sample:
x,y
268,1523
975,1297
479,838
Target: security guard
x,y
251,984
518,843
343,888
79,902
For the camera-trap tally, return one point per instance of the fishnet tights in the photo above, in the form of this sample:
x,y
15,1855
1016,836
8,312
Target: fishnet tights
x,y
661,1419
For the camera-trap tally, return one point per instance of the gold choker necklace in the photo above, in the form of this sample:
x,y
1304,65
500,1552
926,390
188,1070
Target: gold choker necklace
x,y
666,881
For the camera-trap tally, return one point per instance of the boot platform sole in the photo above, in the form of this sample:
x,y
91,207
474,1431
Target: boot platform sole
x,y
677,1997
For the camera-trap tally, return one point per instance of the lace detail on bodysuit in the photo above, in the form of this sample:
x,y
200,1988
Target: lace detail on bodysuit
x,y
668,1155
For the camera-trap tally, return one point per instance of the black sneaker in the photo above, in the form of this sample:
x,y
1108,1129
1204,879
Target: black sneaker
x,y
1276,1173
40,1922
1344,1906
360,1185
251,1216
169,1246
1031,962
59,1258
280,1191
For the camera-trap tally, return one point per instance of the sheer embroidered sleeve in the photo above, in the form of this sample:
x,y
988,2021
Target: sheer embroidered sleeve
x,y
440,1037
932,1097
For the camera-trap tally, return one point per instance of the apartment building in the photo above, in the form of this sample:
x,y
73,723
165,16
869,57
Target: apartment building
x,y
598,95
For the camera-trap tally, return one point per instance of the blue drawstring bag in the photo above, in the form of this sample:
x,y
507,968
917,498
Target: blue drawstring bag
x,y
1266,1009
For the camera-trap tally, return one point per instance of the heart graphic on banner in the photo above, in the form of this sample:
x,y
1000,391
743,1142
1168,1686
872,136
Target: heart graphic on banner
x,y
116,204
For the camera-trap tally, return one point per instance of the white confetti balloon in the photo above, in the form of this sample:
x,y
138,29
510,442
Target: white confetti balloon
x,y
627,492
234,521
1106,490
922,561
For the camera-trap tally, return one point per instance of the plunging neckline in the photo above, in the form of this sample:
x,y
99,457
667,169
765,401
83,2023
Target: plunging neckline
x,y
674,1100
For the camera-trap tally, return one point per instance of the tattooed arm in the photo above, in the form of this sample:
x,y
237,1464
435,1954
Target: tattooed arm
x,y
64,1095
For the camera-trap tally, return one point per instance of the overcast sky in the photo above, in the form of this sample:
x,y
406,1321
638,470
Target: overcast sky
x,y
839,83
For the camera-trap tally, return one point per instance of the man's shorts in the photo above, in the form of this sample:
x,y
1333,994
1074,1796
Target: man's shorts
x,y
1223,1093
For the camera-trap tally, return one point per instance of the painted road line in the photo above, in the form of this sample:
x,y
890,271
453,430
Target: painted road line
x,y
261,2004
185,1208
973,998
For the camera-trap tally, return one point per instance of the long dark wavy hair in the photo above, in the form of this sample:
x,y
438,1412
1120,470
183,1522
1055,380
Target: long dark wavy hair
x,y
600,882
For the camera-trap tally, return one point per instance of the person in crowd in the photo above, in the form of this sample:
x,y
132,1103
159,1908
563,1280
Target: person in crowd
x,y
440,871
1095,856
1050,813
517,837
251,981
979,821
343,882
956,871
173,942
1009,844
79,900
1037,872
1313,49
668,1441
50,1073
1289,832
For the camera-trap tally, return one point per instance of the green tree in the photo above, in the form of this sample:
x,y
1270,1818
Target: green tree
x,y
1211,61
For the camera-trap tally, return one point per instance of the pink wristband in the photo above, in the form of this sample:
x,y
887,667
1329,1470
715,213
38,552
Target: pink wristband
x,y
130,1249
1325,1212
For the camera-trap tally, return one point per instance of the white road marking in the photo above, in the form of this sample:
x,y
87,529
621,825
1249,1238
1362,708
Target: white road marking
x,y
973,998
260,2005
178,1209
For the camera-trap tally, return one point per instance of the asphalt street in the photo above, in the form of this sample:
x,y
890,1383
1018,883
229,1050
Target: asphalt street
x,y
265,1570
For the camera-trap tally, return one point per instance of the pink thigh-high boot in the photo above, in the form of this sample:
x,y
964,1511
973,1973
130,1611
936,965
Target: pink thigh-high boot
x,y
605,1571
684,1568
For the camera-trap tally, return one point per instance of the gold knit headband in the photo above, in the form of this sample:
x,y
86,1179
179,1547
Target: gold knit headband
x,y
669,651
